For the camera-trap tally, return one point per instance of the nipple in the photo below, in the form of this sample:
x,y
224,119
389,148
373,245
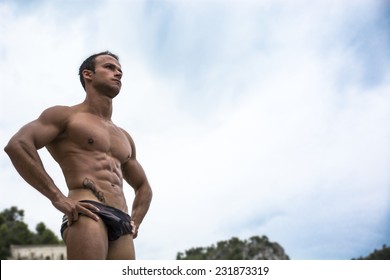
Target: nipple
x,y
90,141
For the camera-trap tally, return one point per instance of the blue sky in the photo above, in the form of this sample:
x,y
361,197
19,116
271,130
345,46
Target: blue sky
x,y
250,117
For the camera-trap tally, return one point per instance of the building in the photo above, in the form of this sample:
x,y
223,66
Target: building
x,y
38,252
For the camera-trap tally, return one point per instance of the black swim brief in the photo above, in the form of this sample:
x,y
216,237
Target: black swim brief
x,y
117,222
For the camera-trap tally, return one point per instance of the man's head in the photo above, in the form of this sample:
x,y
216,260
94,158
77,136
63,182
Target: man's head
x,y
89,64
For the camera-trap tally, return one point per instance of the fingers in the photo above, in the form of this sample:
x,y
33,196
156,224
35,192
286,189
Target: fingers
x,y
73,217
134,229
89,206
70,219
84,209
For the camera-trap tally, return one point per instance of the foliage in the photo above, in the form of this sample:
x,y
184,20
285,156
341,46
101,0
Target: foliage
x,y
256,248
382,254
13,231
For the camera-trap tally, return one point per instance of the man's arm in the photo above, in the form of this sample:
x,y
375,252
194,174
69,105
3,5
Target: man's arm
x,y
22,150
134,174
23,146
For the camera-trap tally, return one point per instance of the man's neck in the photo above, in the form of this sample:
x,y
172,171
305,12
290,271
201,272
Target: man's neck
x,y
99,105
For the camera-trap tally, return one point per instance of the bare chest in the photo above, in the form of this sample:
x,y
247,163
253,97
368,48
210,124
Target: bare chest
x,y
90,133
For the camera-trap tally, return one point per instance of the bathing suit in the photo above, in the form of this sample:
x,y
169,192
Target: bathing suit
x,y
117,222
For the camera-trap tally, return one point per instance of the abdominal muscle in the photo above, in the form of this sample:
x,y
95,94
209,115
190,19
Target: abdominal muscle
x,y
96,178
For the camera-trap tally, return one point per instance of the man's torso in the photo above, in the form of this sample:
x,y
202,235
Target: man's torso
x,y
91,151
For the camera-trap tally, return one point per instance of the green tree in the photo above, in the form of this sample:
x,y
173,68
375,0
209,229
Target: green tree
x,y
14,231
197,253
381,254
235,249
45,235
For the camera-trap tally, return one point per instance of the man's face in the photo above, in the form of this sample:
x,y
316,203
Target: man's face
x,y
107,76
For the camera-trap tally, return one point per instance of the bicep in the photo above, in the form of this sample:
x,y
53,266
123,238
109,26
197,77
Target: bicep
x,y
41,131
38,134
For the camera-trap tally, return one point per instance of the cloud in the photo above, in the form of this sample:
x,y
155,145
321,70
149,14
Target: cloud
x,y
251,119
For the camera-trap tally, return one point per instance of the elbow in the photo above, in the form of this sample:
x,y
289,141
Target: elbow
x,y
10,147
13,147
150,194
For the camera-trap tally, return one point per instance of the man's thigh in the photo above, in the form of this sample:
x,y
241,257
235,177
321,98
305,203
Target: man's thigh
x,y
86,239
122,248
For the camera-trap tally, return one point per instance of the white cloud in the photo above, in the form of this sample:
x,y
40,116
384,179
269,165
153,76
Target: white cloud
x,y
249,119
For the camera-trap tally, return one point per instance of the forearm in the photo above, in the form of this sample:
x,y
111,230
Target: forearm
x,y
27,162
141,204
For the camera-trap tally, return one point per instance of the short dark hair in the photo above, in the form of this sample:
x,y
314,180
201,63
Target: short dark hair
x,y
89,64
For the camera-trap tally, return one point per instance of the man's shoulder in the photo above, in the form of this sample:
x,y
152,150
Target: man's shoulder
x,y
129,138
58,113
57,109
126,134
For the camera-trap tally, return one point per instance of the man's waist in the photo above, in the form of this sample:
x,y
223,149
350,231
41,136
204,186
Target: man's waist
x,y
110,199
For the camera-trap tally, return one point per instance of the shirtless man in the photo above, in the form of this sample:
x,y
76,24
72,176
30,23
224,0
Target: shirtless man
x,y
95,156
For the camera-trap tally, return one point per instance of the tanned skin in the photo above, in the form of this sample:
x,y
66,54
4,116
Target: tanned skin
x,y
95,156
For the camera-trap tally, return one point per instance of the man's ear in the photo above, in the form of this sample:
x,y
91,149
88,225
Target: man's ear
x,y
87,74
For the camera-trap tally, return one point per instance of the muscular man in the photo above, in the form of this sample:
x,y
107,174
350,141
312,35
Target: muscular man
x,y
95,156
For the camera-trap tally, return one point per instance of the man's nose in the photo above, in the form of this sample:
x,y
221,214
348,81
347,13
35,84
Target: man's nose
x,y
118,74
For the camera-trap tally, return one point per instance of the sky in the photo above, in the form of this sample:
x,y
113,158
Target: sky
x,y
249,117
